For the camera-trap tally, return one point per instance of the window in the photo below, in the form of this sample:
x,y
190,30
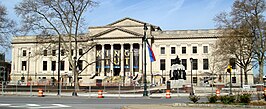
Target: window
x,y
53,66
195,64
62,52
44,52
62,65
195,79
184,63
24,53
205,49
194,49
24,65
44,65
53,52
184,50
80,52
172,61
72,52
80,63
232,62
205,64
172,50
162,50
162,64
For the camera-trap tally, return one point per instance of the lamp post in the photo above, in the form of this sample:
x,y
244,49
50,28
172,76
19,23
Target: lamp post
x,y
191,62
145,93
58,76
28,73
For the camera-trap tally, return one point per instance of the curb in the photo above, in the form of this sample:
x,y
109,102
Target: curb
x,y
216,105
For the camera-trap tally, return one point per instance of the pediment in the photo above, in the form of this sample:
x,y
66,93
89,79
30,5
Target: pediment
x,y
117,33
127,22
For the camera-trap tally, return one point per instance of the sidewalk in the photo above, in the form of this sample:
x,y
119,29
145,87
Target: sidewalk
x,y
191,106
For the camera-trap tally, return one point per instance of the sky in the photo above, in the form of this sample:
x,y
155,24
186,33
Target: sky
x,y
168,14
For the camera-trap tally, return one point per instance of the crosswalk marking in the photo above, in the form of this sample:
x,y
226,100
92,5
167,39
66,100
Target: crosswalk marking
x,y
60,105
33,105
5,104
36,106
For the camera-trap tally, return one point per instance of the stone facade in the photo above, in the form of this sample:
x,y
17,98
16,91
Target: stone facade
x,y
121,43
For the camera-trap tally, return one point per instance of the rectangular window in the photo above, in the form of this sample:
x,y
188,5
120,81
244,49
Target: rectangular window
x,y
24,65
24,53
194,49
72,52
205,49
172,61
44,65
80,52
172,50
62,65
54,52
162,50
53,66
80,64
44,52
62,52
162,64
184,50
184,63
205,64
195,64
195,80
232,62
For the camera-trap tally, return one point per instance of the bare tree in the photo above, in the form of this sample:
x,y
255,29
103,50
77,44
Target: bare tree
x,y
243,35
6,28
60,18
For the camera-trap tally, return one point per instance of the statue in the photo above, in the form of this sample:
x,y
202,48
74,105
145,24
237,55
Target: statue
x,y
177,70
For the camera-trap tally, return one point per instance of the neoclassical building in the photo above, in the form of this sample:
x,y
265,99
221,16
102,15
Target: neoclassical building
x,y
120,43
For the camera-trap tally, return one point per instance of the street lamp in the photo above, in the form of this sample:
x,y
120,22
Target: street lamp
x,y
191,62
145,92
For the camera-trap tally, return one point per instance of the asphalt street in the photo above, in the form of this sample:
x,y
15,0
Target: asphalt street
x,y
54,102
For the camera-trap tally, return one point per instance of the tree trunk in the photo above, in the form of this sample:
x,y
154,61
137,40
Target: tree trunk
x,y
261,64
246,76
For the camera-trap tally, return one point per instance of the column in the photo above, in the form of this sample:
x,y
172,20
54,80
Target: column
x,y
122,60
112,60
140,58
102,61
131,60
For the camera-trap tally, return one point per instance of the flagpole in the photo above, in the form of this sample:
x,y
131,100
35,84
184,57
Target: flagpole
x,y
145,93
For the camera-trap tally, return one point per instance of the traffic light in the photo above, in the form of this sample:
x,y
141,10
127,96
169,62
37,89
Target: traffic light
x,y
232,62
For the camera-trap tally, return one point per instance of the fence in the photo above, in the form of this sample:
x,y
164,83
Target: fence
x,y
109,89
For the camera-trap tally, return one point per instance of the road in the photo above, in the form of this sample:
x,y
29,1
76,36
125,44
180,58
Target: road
x,y
54,102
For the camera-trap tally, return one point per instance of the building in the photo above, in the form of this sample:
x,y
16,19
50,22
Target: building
x,y
4,68
121,43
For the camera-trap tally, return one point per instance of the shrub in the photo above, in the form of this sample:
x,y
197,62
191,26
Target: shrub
x,y
227,99
194,98
245,98
212,99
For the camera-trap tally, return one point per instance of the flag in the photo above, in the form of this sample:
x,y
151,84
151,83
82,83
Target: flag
x,y
151,54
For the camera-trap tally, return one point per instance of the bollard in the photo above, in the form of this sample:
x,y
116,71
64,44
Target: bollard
x,y
100,93
40,93
218,92
168,94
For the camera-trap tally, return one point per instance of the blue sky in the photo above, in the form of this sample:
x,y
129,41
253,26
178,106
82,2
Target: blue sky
x,y
168,14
